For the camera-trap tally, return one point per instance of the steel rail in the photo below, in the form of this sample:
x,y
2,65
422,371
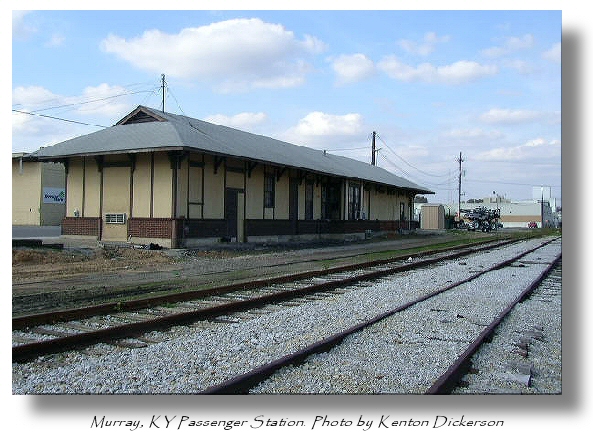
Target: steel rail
x,y
20,322
28,351
449,380
241,384
25,352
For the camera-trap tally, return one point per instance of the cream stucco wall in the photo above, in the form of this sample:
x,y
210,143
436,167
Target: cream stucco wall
x,y
254,194
116,199
141,186
235,174
26,193
30,180
282,197
75,187
162,191
214,188
92,194
384,206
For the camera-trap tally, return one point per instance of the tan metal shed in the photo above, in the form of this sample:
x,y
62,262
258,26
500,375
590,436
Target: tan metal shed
x,y
432,217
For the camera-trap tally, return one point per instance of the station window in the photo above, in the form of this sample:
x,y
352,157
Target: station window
x,y
309,201
330,201
353,202
269,191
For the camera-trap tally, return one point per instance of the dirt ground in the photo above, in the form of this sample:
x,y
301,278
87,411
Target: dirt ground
x,y
38,270
48,264
48,278
78,275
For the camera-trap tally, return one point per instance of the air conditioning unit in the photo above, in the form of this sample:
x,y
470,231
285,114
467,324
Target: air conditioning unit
x,y
115,218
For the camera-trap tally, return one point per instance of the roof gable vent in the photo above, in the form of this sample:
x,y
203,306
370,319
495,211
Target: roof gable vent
x,y
140,115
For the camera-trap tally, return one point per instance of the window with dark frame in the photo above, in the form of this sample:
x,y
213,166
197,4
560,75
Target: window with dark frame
x,y
309,201
269,190
330,202
353,202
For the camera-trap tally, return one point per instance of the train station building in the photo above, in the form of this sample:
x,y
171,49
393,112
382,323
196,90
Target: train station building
x,y
176,181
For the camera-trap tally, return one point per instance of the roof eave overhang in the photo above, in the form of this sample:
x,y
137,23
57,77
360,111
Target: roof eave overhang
x,y
63,157
114,152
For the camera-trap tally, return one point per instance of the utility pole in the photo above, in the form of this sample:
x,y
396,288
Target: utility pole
x,y
163,90
459,160
374,151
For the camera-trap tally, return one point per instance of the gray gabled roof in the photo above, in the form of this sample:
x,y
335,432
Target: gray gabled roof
x,y
146,129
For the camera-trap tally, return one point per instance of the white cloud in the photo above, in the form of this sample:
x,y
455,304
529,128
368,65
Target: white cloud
x,y
20,28
523,67
314,45
24,123
321,124
508,116
62,117
100,100
426,46
239,54
33,96
412,151
537,148
554,54
24,99
520,43
352,68
103,100
510,45
244,120
472,133
457,73
56,40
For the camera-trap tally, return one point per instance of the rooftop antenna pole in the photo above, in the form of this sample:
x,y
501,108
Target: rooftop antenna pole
x,y
374,151
163,88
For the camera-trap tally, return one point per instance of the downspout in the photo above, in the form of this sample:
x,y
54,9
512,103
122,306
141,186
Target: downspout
x,y
174,164
99,160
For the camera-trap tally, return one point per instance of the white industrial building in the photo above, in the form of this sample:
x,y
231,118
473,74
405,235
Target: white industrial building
x,y
541,210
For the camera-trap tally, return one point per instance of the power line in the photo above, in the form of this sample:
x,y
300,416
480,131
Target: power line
x,y
348,149
416,179
411,165
58,118
176,101
37,112
89,101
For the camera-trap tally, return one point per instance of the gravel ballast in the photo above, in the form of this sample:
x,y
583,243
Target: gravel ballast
x,y
192,358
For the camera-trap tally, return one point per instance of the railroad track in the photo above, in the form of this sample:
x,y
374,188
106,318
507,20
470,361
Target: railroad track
x,y
74,295
442,381
126,323
27,299
523,353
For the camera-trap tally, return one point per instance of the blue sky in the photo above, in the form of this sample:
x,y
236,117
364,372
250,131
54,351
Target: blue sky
x,y
432,84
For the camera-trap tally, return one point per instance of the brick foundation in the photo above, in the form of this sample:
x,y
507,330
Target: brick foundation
x,y
81,226
156,228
